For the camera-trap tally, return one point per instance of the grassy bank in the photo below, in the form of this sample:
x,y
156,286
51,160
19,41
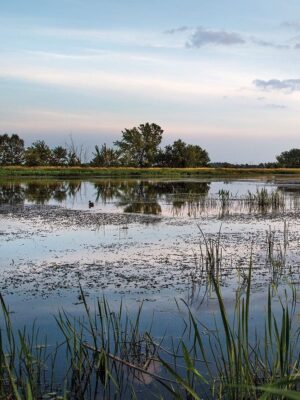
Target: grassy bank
x,y
78,172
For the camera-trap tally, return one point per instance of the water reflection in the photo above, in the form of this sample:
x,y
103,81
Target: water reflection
x,y
167,197
11,193
37,192
133,196
146,196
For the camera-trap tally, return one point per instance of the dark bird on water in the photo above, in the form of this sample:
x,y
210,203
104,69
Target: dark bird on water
x,y
91,204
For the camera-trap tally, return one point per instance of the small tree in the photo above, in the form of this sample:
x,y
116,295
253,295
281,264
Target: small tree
x,y
289,159
59,156
77,154
139,145
11,150
105,157
73,159
38,154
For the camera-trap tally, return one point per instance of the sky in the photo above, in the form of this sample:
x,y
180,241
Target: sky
x,y
223,74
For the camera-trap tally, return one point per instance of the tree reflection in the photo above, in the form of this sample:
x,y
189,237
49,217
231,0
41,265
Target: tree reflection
x,y
145,197
37,192
41,193
134,196
11,193
153,196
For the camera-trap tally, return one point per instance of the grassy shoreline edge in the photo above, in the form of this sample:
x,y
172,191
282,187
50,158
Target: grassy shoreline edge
x,y
141,172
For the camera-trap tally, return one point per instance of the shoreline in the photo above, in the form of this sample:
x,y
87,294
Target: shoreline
x,y
79,172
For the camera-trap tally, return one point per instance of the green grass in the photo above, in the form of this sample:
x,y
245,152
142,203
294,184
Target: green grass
x,y
107,355
141,172
247,365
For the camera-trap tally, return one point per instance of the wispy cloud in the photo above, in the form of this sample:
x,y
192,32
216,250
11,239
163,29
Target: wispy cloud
x,y
202,37
47,120
295,25
276,106
177,30
95,81
265,43
83,36
286,85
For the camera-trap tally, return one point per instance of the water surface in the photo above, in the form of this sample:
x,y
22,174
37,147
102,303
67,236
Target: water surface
x,y
143,240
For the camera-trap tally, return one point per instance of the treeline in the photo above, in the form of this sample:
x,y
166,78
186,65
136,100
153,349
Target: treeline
x,y
13,152
245,166
137,147
287,159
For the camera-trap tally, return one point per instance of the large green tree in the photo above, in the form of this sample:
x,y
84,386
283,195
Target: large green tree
x,y
289,158
11,149
182,155
38,154
139,146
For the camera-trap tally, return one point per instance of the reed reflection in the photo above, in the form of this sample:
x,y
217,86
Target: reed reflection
x,y
155,197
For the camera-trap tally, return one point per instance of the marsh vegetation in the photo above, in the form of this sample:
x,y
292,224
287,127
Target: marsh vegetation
x,y
170,288
108,354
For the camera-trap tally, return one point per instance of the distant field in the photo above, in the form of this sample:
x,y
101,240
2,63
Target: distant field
x,y
141,172
129,171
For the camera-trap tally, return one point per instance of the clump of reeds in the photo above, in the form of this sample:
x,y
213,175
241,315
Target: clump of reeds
x,y
103,354
22,360
265,200
224,196
276,256
211,255
108,355
109,352
208,263
239,363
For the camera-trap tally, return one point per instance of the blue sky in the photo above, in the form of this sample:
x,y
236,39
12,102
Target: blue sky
x,y
220,73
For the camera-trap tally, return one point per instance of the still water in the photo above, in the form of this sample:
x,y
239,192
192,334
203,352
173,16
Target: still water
x,y
142,241
141,236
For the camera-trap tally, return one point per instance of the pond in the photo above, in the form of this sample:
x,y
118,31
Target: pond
x,y
145,241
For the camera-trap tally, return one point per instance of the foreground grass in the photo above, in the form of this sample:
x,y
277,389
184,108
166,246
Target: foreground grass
x,y
106,355
141,172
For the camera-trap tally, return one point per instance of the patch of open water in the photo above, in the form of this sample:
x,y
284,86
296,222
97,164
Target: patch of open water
x,y
141,241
